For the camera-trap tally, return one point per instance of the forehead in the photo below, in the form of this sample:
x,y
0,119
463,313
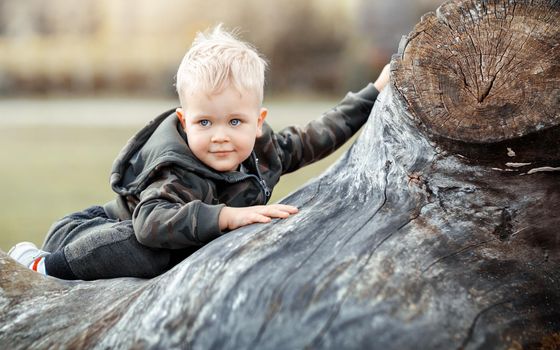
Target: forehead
x,y
226,100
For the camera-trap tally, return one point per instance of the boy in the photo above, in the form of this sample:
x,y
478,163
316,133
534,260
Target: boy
x,y
194,173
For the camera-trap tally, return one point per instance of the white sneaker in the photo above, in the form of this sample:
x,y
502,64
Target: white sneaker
x,y
26,253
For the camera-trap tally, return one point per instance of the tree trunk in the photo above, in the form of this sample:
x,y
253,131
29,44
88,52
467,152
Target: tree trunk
x,y
437,229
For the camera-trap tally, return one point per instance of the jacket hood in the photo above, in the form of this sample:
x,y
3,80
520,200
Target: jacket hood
x,y
160,143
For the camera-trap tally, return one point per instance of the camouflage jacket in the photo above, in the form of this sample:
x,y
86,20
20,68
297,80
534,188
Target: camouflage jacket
x,y
174,200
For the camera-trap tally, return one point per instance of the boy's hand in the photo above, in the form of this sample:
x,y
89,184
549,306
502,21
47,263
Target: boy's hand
x,y
232,218
383,78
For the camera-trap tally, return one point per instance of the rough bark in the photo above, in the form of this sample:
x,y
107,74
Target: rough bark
x,y
411,240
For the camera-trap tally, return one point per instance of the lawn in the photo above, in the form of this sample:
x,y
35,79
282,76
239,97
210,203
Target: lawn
x,y
60,164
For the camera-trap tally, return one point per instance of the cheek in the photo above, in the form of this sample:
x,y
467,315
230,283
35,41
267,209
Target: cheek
x,y
248,141
196,141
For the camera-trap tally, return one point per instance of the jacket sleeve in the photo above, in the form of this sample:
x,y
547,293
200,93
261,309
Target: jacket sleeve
x,y
172,214
300,146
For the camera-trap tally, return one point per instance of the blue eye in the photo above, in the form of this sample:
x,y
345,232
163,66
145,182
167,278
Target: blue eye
x,y
235,122
204,122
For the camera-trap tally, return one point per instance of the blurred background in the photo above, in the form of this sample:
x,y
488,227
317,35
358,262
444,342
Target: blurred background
x,y
78,78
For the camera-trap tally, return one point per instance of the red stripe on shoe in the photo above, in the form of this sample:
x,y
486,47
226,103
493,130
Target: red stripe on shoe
x,y
36,264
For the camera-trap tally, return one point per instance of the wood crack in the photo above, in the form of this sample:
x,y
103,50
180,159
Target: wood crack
x,y
316,341
470,332
279,290
462,250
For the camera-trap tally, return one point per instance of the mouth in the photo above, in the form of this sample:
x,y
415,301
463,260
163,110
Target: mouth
x,y
220,153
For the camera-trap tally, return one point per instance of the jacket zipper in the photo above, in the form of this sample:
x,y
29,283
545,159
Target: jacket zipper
x,y
264,186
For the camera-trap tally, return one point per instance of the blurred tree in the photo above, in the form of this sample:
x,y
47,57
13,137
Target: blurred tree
x,y
136,45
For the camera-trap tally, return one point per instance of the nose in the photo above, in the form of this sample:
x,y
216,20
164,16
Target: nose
x,y
219,136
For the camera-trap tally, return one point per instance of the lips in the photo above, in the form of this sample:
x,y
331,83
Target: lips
x,y
221,153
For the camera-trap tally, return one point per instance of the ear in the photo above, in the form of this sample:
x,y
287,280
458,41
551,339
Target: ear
x,y
181,116
260,121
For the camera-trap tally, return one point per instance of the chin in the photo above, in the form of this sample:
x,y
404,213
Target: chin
x,y
224,169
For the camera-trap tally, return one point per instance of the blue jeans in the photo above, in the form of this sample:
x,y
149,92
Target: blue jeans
x,y
88,245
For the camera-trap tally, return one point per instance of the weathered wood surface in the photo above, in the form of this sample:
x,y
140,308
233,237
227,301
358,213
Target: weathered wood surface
x,y
401,244
486,72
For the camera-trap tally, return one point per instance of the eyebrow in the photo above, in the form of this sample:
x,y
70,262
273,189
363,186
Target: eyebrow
x,y
200,115
243,115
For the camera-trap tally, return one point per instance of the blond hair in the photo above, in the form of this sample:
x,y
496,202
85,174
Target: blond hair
x,y
216,59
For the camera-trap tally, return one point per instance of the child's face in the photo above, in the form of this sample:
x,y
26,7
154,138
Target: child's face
x,y
222,127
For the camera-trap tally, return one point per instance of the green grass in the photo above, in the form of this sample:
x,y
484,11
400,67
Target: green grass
x,y
51,170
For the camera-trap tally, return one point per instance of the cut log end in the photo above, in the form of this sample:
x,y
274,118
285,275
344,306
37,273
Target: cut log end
x,y
483,72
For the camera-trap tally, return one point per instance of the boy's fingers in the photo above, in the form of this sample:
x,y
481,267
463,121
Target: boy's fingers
x,y
260,218
276,212
284,207
291,209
